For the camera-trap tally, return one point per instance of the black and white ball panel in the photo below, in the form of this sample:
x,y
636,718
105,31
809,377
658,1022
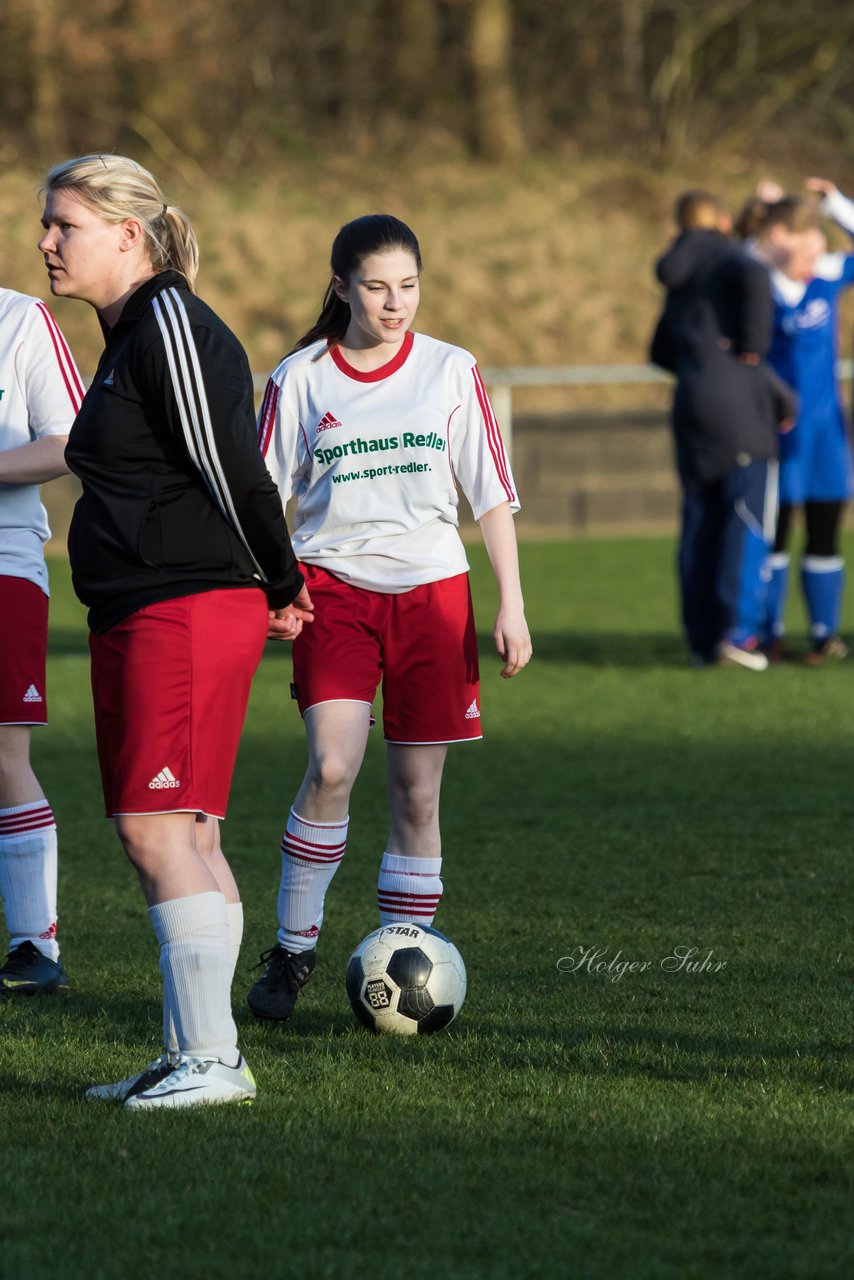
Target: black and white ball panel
x,y
406,979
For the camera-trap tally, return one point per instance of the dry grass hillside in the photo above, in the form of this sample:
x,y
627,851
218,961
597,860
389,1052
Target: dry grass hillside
x,y
547,263
544,263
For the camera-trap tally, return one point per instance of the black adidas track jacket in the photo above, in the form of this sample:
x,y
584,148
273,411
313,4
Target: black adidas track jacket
x,y
176,496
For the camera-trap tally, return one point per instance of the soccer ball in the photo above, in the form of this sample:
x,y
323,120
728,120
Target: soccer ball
x,y
406,979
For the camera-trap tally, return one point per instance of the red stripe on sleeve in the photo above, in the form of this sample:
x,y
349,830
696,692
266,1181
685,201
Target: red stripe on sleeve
x,y
493,436
267,416
64,359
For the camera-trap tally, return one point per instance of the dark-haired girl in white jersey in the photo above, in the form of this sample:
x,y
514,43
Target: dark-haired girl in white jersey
x,y
374,429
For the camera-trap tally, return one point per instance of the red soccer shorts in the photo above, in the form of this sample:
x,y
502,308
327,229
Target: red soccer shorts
x,y
170,685
23,652
421,644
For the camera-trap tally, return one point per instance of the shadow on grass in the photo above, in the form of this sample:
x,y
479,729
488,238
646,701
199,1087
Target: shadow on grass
x,y
311,1025
626,1052
590,1051
107,1026
601,648
596,648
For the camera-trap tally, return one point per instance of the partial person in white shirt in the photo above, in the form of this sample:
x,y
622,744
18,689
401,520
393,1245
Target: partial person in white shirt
x,y
373,430
40,394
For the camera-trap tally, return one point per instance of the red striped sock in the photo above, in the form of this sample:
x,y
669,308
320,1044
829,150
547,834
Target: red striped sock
x,y
28,867
311,854
408,889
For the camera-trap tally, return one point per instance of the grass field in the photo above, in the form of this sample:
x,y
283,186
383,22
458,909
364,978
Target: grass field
x,y
659,1125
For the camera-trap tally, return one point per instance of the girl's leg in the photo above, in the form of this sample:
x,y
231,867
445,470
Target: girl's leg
x,y
409,885
313,846
337,738
164,695
163,851
698,552
207,835
823,576
28,869
28,840
748,520
774,627
189,915
315,838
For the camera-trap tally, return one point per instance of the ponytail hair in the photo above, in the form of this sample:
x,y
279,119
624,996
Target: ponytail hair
x,y
751,219
794,213
117,188
357,240
332,322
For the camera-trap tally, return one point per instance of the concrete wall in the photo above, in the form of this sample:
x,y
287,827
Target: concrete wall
x,y
577,474
595,474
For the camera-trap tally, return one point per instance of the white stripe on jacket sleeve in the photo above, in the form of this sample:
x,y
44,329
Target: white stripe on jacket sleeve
x,y
189,387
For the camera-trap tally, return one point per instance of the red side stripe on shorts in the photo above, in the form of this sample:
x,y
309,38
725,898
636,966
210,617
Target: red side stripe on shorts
x,y
493,436
267,416
64,359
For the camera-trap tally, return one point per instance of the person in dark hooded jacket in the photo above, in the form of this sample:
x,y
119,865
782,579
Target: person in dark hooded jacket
x,y
713,334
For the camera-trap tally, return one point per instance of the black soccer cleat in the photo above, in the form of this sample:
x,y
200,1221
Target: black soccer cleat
x,y
275,993
27,972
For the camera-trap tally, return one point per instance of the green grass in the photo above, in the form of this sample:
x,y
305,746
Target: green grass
x,y
662,1126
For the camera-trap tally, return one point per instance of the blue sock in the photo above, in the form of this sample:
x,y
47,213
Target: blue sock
x,y
823,581
775,598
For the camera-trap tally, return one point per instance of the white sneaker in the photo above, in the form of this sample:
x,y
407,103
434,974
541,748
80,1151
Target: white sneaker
x,y
122,1089
197,1082
731,655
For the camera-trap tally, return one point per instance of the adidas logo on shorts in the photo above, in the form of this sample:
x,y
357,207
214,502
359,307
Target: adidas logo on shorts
x,y
33,695
164,779
473,712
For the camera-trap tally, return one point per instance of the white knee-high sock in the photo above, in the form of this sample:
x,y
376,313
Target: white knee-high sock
x,y
408,889
311,854
28,868
195,961
234,913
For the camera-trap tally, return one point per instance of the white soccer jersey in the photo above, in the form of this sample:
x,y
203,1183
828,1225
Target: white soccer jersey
x,y
374,460
40,393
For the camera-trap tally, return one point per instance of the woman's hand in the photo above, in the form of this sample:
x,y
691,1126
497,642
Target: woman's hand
x,y
821,185
287,623
769,191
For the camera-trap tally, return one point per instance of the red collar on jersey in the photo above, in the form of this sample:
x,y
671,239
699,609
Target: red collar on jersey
x,y
375,375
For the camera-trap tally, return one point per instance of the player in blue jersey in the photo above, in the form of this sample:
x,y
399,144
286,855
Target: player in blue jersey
x,y
713,333
815,455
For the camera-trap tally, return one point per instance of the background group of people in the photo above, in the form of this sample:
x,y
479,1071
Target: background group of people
x,y
750,329
179,549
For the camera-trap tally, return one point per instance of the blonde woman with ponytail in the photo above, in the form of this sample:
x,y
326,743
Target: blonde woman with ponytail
x,y
179,548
